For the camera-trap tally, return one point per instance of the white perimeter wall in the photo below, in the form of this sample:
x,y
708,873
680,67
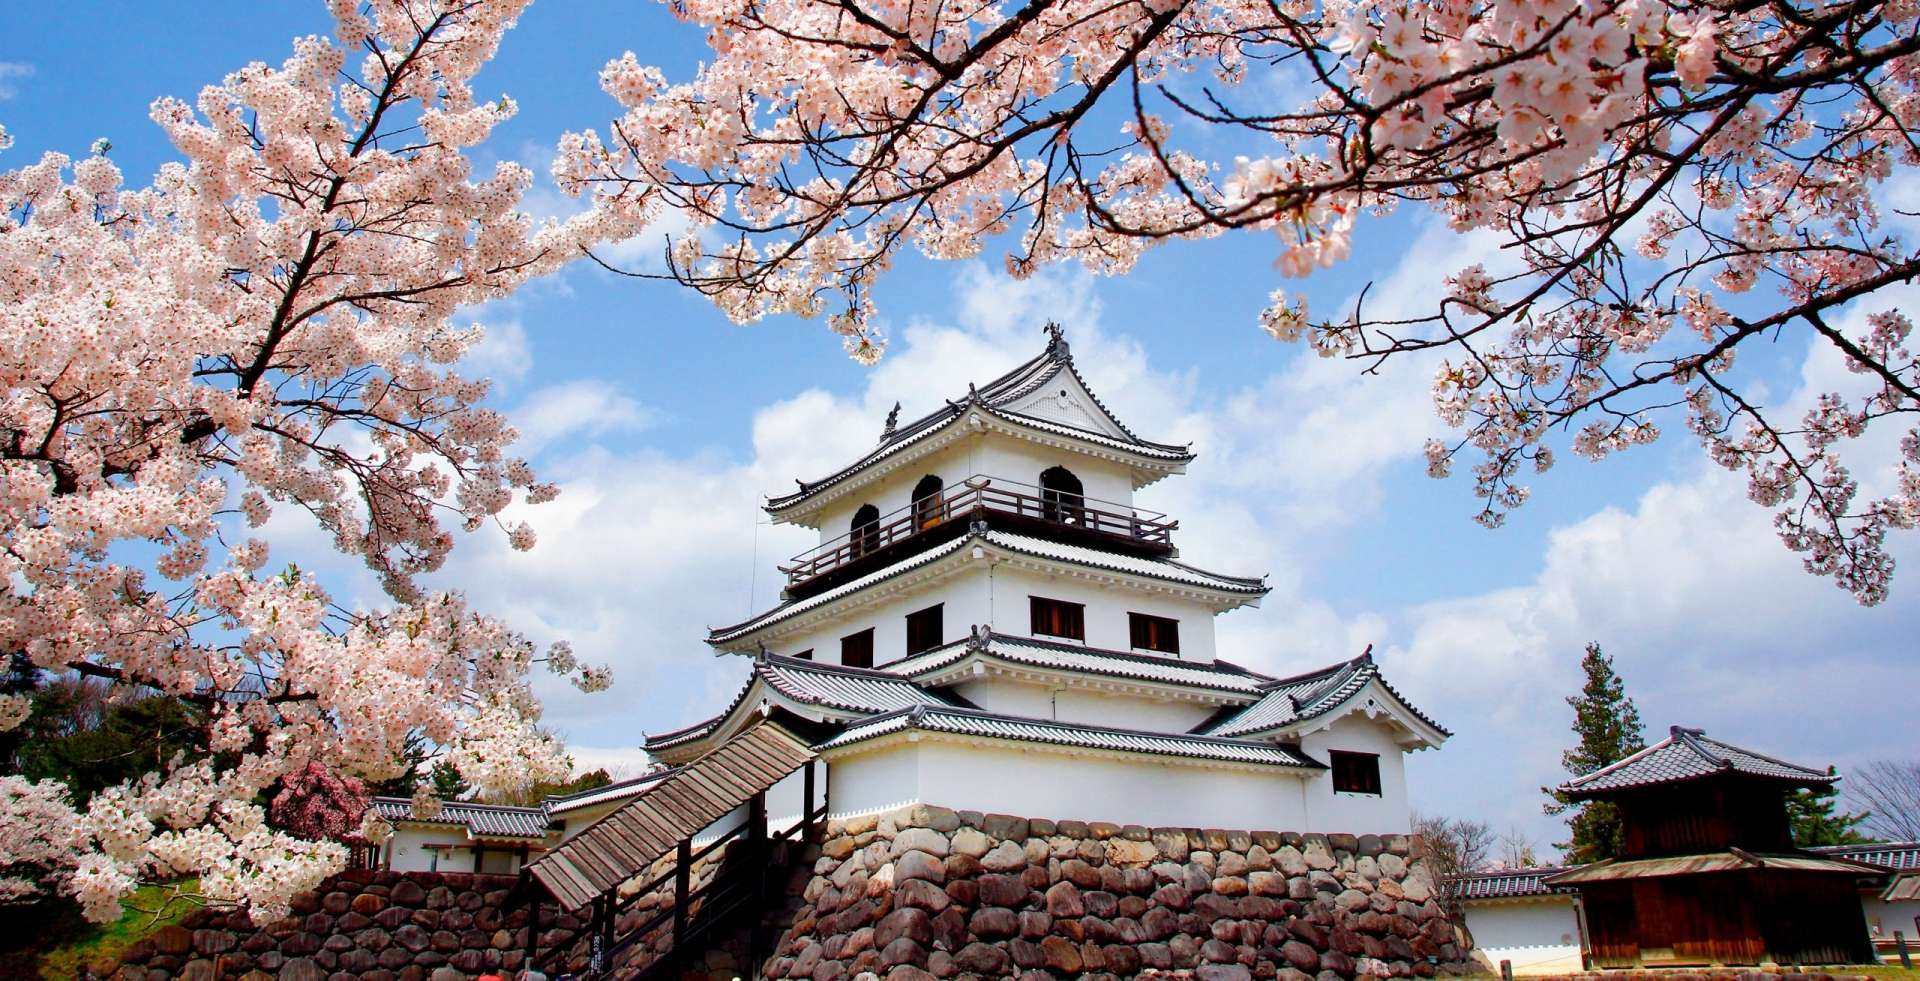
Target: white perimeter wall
x,y
1883,918
406,852
1361,814
1030,783
1537,936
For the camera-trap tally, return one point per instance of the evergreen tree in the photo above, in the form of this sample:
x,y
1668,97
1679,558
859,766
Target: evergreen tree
x,y
1608,726
414,754
1811,814
448,784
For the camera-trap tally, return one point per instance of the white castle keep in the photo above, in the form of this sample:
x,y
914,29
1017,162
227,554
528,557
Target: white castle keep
x,y
989,623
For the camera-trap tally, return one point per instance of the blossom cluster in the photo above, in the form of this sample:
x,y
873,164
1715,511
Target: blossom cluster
x,y
1638,157
267,327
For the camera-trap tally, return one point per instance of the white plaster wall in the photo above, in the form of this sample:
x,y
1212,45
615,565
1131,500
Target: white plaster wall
x,y
1538,937
875,781
997,456
1106,613
963,594
406,852
997,594
1029,782
1033,701
1883,918
1387,813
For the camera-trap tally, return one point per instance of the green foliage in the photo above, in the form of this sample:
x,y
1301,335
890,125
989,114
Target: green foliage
x,y
49,939
535,793
448,784
1609,730
1812,815
82,735
414,751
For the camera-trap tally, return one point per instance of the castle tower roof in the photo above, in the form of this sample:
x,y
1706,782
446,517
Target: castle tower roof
x,y
1044,399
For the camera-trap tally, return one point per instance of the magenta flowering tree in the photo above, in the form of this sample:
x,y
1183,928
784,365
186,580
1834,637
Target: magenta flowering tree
x,y
318,804
266,327
1675,181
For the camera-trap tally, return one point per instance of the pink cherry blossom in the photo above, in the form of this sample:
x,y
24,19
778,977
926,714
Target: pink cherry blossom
x,y
267,326
1642,161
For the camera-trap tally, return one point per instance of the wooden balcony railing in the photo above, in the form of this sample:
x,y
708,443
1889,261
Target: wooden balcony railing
x,y
977,495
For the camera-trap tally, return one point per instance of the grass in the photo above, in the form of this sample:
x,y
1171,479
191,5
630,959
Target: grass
x,y
65,946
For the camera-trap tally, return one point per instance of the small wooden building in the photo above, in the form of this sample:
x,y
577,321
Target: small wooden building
x,y
1708,874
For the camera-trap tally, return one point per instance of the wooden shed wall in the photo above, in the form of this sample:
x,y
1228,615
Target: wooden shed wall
x,y
1726,918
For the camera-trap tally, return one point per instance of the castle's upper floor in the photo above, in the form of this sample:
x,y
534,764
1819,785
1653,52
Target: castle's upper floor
x,y
1033,451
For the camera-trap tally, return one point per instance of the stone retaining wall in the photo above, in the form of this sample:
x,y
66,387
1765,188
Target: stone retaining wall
x,y
379,926
926,892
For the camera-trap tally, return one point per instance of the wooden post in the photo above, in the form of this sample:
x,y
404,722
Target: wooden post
x,y
597,937
533,929
806,807
1900,942
682,875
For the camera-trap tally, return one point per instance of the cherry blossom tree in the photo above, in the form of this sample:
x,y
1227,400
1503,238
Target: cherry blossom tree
x,y
1673,182
265,330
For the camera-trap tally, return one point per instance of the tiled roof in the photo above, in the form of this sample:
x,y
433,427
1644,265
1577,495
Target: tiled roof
x,y
619,790
1901,856
993,397
1510,883
786,611
831,686
1287,701
1732,860
1687,754
967,722
1163,569
837,686
613,850
480,820
1151,568
1033,652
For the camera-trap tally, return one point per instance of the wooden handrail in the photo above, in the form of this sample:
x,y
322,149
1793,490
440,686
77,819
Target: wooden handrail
x,y
980,493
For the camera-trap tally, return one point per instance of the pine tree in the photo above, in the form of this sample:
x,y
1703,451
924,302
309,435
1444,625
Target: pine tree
x,y
1810,813
448,784
1608,725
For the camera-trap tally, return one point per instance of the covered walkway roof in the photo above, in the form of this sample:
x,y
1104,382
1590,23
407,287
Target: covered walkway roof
x,y
628,841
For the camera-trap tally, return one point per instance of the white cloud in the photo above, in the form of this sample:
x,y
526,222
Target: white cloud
x,y
579,409
502,355
10,74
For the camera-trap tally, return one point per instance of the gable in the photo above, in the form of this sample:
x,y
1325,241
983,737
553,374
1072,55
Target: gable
x,y
1062,399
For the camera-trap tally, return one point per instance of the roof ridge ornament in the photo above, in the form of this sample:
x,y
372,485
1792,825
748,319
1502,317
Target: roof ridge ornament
x,y
893,423
978,636
1057,342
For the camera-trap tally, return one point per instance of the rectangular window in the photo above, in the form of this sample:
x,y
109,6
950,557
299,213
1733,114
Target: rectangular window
x,y
856,650
1355,773
1151,633
1059,618
806,655
924,629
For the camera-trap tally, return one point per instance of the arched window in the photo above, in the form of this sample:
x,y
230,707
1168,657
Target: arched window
x,y
929,507
1061,496
866,530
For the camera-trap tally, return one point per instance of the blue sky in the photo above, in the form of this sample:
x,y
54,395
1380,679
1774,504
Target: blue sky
x,y
665,425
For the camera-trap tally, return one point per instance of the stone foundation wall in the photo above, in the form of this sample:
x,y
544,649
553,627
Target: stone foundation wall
x,y
379,926
931,893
